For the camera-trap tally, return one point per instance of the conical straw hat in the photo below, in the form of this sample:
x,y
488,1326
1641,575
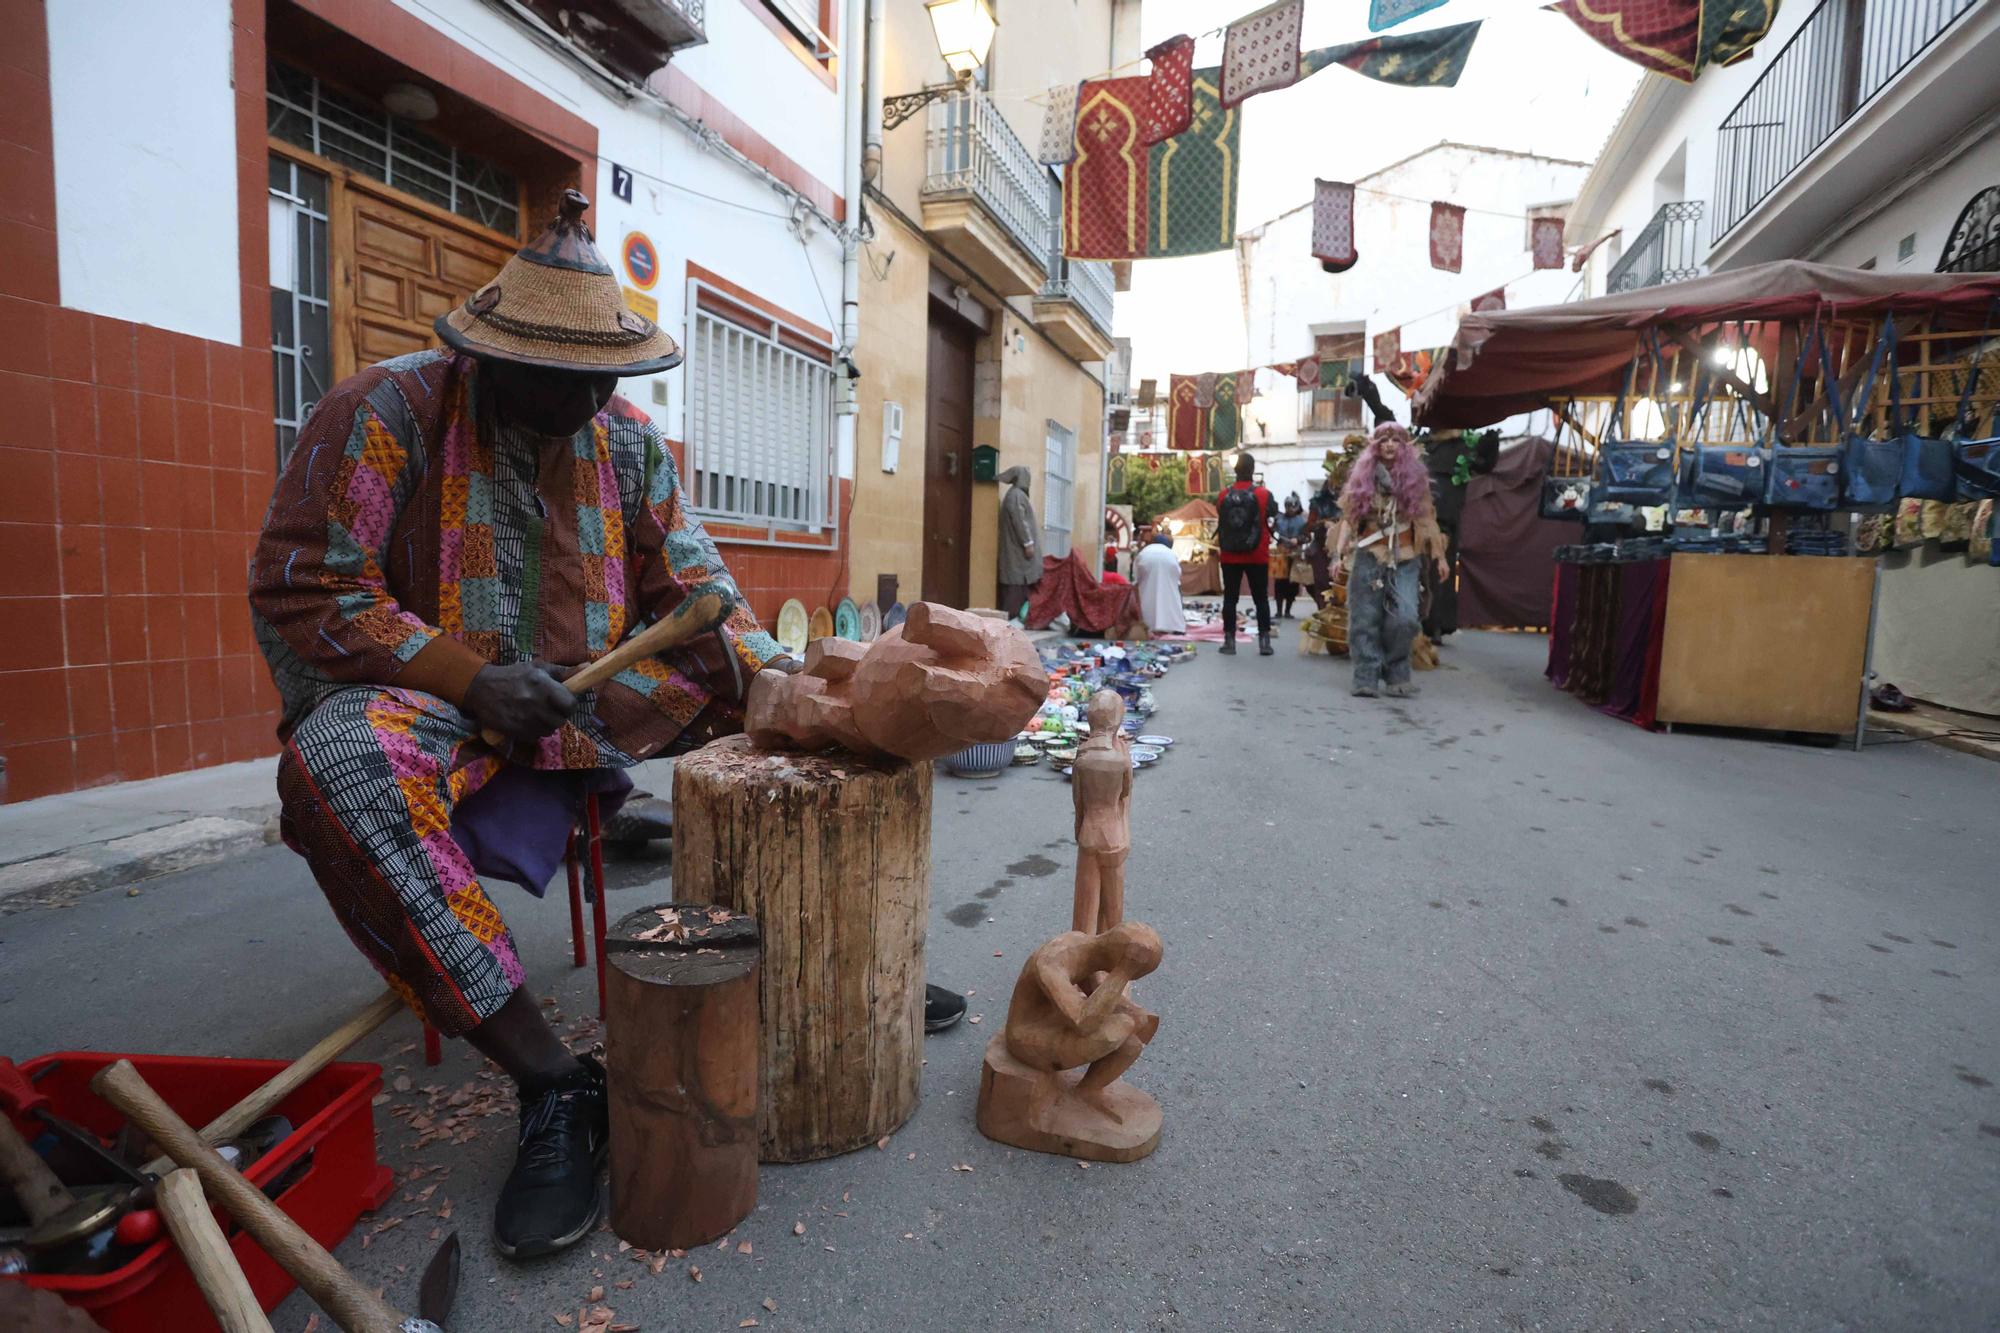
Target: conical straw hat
x,y
556,304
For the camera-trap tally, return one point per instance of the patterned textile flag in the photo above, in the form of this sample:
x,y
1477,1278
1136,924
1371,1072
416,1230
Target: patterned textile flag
x,y
1170,89
1413,368
1059,126
1493,300
1187,424
1431,59
1447,237
1677,38
1204,390
1148,390
1388,350
1197,476
1260,52
1117,475
1388,13
1548,242
1333,225
1104,188
1306,371
1191,178
1246,387
1225,418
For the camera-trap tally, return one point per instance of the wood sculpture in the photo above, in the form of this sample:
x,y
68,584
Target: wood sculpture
x,y
1052,1080
832,855
1101,787
941,681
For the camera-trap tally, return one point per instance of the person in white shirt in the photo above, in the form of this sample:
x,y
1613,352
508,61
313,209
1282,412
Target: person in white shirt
x,y
1157,571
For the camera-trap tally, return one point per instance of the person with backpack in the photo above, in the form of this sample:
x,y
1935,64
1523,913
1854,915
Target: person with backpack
x,y
1243,532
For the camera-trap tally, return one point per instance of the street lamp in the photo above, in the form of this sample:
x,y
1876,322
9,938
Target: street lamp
x,y
964,32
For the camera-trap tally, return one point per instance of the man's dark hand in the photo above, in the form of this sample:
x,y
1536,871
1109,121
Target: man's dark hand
x,y
523,702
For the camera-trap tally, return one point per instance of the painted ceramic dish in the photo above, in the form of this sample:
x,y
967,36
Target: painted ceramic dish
x,y
847,619
1155,742
1145,754
1027,754
792,626
893,616
821,624
871,623
1062,756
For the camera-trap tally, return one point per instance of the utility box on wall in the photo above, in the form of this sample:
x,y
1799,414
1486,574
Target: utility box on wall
x,y
985,462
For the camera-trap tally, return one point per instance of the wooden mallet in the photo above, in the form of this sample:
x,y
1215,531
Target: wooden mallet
x,y
208,1255
691,619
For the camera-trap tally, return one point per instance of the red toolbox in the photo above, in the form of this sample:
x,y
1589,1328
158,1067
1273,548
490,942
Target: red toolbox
x,y
335,1123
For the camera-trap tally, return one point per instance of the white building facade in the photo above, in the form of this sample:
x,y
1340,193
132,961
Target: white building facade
x,y
1293,309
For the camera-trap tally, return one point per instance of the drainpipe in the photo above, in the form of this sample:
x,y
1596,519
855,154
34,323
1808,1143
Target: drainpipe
x,y
853,96
872,96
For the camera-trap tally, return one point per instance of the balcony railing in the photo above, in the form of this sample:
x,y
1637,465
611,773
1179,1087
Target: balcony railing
x,y
971,149
1667,249
1844,54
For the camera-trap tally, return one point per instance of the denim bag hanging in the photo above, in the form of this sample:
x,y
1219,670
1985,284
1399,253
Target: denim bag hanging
x,y
1634,472
1975,464
1927,461
1565,499
1806,478
1872,470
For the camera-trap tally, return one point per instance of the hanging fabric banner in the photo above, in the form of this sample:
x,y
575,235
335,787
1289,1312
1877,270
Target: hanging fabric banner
x,y
1225,419
1333,225
1388,350
1215,474
1413,368
1187,422
1197,476
1260,52
1148,390
1058,143
1204,390
1246,387
1388,13
1447,237
1306,371
1104,188
1431,59
1116,474
1191,178
1548,242
1677,38
1493,300
1582,257
1170,89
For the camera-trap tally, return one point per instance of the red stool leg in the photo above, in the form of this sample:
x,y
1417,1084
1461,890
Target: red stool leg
x,y
575,899
595,836
433,1046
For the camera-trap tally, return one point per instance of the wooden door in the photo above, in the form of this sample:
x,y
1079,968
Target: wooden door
x,y
948,464
399,270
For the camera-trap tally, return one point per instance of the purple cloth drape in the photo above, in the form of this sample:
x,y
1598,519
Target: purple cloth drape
x,y
1562,624
517,826
1639,584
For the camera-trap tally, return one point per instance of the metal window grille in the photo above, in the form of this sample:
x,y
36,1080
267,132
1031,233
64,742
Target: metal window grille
x,y
301,320
1058,490
303,111
759,428
1328,406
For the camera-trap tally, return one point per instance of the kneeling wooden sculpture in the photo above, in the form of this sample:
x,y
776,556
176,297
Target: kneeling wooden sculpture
x,y
1070,1010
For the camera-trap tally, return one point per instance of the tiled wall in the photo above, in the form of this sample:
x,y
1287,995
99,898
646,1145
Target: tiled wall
x,y
135,464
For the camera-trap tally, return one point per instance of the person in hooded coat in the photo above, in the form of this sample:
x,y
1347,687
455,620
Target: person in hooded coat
x,y
1020,558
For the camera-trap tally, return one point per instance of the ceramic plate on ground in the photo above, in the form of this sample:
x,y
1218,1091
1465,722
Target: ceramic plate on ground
x,y
1156,742
847,619
871,623
1027,754
792,624
1144,754
820,625
893,616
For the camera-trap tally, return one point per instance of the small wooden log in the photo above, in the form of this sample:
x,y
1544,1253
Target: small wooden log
x,y
680,1034
831,854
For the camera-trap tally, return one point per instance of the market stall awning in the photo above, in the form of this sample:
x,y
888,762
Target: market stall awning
x,y
1511,361
1194,511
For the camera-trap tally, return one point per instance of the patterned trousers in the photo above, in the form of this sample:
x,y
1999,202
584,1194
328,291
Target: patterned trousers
x,y
368,782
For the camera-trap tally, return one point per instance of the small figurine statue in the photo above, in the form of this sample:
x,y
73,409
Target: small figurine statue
x,y
941,681
1070,1010
1101,786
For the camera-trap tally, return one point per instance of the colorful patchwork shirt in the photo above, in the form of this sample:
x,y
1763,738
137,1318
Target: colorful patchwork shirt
x,y
411,542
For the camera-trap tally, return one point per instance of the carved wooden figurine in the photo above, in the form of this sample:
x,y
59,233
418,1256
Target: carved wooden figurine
x,y
941,681
1101,786
1070,1010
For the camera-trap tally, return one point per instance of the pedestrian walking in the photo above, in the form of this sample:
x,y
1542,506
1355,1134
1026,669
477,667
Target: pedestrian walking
x,y
1243,534
1389,525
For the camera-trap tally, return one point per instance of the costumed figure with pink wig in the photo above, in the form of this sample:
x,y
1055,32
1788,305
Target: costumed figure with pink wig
x,y
1389,524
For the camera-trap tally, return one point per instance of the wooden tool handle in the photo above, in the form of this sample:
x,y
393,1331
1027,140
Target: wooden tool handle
x,y
208,1255
42,1196
288,1080
354,1307
688,620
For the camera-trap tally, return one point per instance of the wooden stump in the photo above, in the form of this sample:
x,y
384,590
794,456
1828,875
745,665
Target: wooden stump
x,y
680,1036
831,855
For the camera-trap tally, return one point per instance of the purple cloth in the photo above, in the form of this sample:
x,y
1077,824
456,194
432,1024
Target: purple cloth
x,y
1562,623
517,826
1639,585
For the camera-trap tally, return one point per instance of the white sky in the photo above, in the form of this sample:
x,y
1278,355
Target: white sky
x,y
1534,83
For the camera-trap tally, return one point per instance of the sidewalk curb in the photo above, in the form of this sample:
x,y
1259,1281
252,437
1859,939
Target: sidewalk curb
x,y
186,845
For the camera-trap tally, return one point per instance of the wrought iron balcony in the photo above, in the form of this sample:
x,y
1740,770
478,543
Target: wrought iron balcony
x,y
1839,59
633,37
976,169
1085,282
1667,249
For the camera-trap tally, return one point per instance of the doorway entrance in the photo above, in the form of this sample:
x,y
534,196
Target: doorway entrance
x,y
948,461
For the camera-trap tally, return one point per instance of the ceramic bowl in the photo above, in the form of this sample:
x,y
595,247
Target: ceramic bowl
x,y
1145,754
1155,742
980,761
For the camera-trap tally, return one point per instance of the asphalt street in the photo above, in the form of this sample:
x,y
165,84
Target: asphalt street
x,y
1480,1010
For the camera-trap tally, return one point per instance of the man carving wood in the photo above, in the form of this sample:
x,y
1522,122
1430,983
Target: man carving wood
x,y
1101,787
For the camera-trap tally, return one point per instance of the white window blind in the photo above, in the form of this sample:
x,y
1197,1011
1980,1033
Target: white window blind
x,y
1058,490
759,426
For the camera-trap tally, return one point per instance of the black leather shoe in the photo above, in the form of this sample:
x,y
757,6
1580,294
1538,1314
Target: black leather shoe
x,y
551,1199
1228,647
1264,648
942,1008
